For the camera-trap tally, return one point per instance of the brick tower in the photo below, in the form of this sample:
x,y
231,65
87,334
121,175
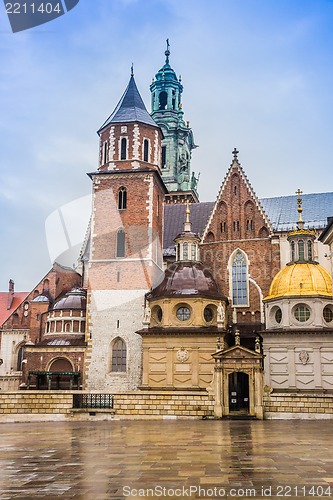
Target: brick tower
x,y
126,242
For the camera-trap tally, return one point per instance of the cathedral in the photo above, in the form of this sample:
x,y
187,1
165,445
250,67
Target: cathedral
x,y
230,299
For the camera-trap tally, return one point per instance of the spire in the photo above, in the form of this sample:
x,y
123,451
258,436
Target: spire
x,y
130,108
132,70
299,209
187,224
167,52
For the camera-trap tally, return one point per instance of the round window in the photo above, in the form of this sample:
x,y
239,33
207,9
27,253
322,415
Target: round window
x,y
183,313
208,314
278,315
302,313
159,314
328,314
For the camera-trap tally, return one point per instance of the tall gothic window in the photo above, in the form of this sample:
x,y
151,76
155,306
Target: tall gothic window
x,y
146,150
120,243
239,280
163,156
118,356
123,149
122,198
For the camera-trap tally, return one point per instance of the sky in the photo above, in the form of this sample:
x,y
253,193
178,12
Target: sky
x,y
257,75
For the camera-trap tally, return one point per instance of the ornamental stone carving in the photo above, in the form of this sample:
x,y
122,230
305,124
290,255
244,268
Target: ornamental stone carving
x,y
182,355
304,357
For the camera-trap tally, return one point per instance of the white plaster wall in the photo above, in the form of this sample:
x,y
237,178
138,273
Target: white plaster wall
x,y
106,309
301,361
10,341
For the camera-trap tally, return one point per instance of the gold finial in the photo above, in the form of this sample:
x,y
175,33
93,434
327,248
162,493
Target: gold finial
x,y
188,211
299,205
132,70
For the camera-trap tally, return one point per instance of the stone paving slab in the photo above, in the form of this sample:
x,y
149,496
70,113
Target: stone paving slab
x,y
166,459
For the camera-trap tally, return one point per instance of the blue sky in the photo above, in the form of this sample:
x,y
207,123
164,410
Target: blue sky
x,y
257,75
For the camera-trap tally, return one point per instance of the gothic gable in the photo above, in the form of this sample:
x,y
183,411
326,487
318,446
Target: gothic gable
x,y
237,214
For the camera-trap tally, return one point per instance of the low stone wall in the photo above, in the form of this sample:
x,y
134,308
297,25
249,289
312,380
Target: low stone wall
x,y
298,406
23,406
164,403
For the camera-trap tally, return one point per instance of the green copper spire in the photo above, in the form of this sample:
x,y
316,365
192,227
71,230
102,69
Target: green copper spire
x,y
178,143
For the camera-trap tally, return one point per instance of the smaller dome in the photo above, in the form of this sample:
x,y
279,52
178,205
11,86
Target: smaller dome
x,y
300,280
74,299
186,279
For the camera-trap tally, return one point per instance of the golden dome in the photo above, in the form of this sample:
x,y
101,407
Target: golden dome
x,y
306,279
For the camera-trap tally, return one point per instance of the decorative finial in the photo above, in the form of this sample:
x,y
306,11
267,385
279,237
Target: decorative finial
x,y
218,344
235,154
299,205
187,224
257,347
237,337
167,52
132,70
180,78
188,211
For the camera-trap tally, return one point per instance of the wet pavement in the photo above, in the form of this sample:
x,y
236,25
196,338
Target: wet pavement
x,y
167,459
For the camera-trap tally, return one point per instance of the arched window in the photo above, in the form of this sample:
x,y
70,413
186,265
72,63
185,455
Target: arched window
x,y
301,250
123,149
185,251
122,198
146,150
293,251
119,354
163,156
105,153
120,243
239,279
20,358
193,251
309,250
163,99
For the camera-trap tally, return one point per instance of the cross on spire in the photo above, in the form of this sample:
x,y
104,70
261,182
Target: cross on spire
x,y
132,70
235,154
299,204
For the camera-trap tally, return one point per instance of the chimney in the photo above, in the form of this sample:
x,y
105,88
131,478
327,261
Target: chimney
x,y
10,294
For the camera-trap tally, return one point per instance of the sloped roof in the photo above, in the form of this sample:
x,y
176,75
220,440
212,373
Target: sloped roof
x,y
17,300
281,211
130,108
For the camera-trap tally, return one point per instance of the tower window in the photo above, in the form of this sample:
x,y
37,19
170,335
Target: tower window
x,y
293,251
223,227
119,355
163,100
239,279
173,99
105,153
123,149
146,150
163,156
302,313
236,225
309,250
185,251
249,225
301,250
194,251
120,243
122,198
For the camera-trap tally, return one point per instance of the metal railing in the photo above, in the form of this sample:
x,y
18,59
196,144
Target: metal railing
x,y
92,401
